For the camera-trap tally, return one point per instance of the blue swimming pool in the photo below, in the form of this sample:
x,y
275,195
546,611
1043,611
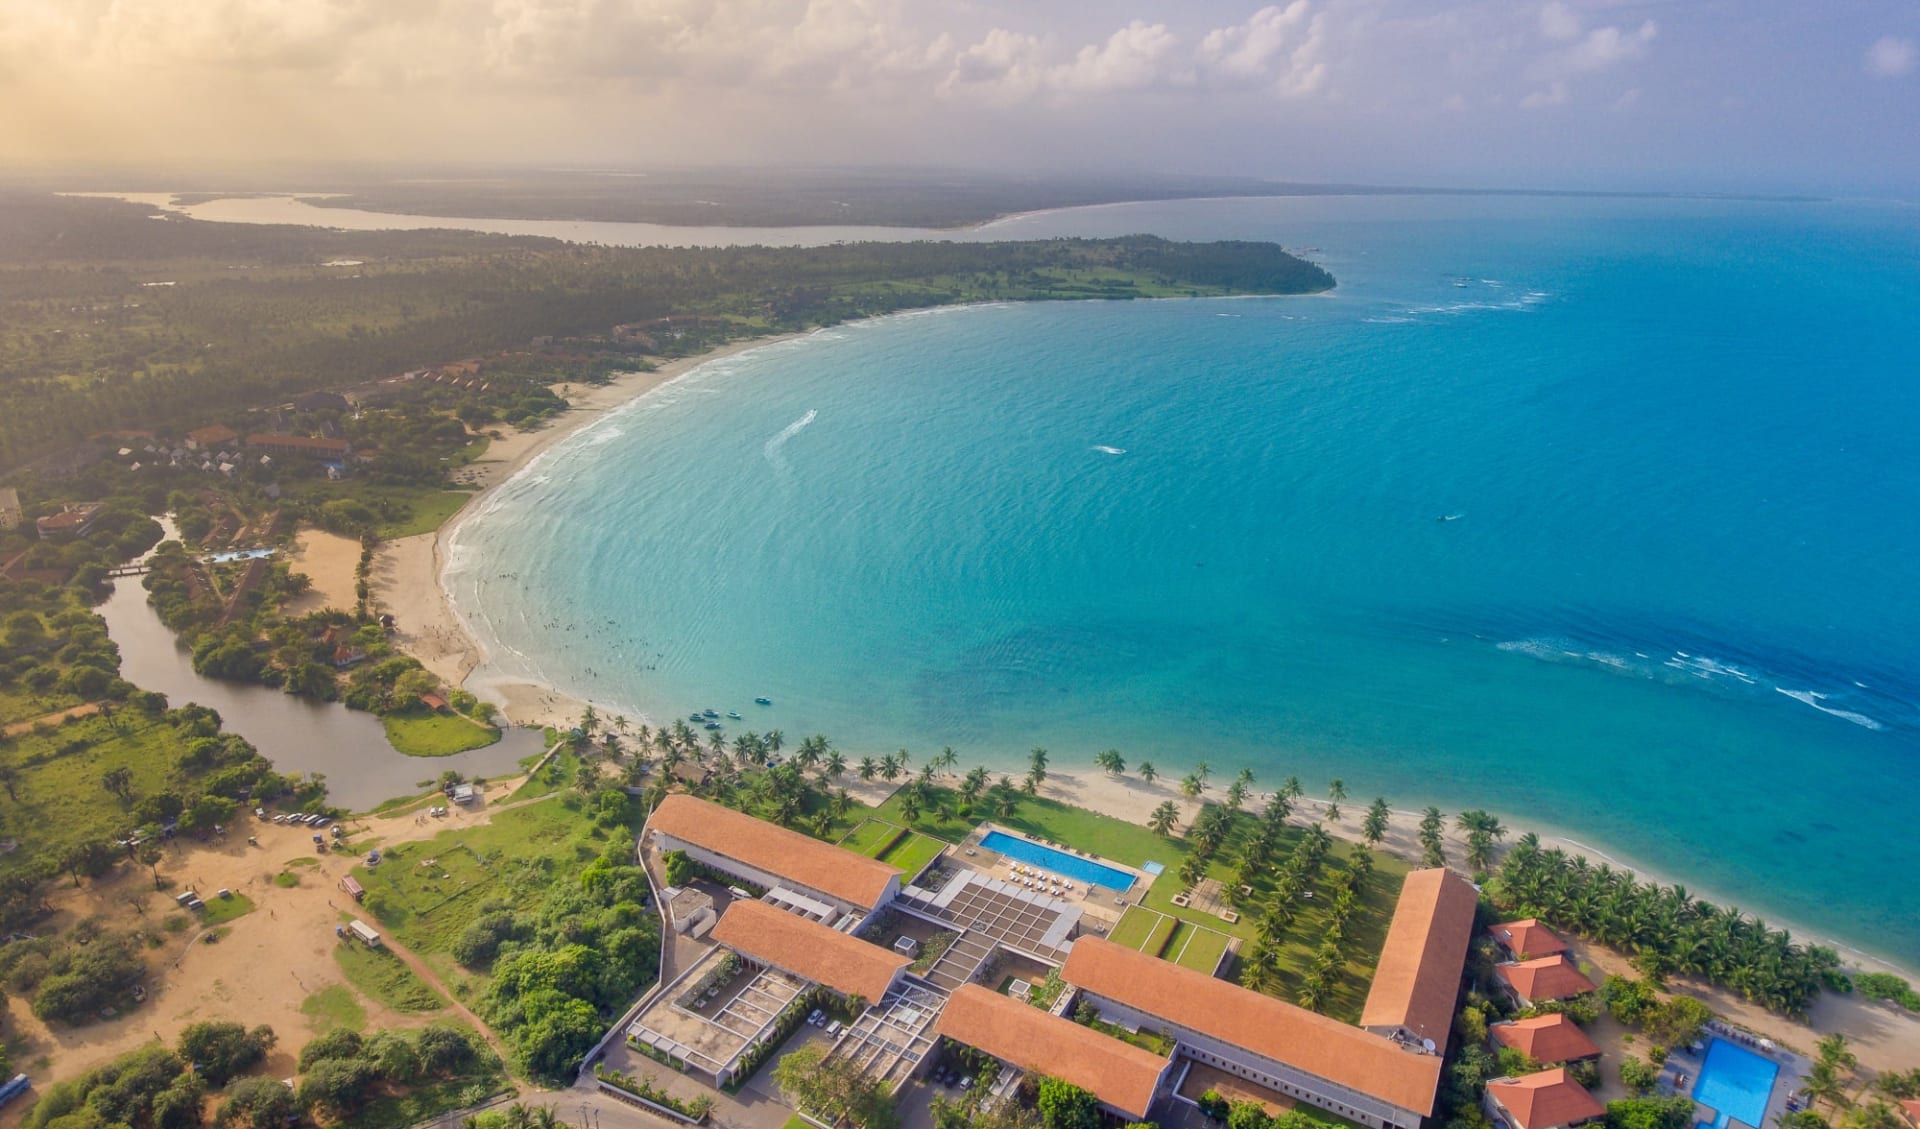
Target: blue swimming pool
x,y
1735,1083
1058,862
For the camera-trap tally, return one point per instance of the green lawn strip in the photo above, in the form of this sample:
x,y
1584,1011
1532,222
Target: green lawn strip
x,y
220,910
913,853
334,1006
1135,926
1168,946
1203,950
385,977
872,837
408,510
418,733
558,773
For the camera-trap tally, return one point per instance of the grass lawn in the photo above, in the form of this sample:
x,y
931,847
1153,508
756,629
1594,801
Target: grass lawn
x,y
1133,845
384,977
512,861
419,733
1135,926
334,1006
558,773
872,837
1202,950
220,910
913,853
58,787
18,704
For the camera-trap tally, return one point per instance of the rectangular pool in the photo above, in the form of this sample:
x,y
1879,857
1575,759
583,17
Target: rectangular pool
x,y
1058,862
1735,1083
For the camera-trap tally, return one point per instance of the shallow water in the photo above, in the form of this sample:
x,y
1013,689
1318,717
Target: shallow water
x,y
1669,612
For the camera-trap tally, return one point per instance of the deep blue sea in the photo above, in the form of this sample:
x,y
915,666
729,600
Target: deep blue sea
x,y
1673,615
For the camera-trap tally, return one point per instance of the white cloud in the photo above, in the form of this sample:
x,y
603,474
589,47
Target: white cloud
x,y
1133,58
1627,100
1277,47
1890,56
1555,94
1559,22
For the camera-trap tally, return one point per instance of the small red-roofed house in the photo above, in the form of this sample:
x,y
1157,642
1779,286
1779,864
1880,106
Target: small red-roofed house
x,y
1911,1107
1547,1100
1526,939
1550,1040
1531,982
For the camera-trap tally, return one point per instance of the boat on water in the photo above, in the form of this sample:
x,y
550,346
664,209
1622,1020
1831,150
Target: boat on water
x,y
763,701
713,725
696,717
710,715
734,714
1450,517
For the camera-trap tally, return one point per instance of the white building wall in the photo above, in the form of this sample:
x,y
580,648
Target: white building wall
x,y
1293,1082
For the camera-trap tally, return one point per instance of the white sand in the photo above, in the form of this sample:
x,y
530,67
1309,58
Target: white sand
x,y
329,561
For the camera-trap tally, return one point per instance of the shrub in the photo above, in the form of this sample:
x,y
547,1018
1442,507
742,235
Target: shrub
x,y
220,1051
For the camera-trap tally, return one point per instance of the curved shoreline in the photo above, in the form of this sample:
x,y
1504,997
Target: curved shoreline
x,y
454,650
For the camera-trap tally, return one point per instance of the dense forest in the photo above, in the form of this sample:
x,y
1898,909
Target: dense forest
x,y
114,316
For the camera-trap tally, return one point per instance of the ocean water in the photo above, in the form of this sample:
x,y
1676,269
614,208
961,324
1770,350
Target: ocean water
x,y
1672,615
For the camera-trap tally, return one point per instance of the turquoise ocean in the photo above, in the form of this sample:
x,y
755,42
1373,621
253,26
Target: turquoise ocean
x,y
1673,615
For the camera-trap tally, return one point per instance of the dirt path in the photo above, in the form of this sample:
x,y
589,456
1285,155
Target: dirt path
x,y
421,970
21,727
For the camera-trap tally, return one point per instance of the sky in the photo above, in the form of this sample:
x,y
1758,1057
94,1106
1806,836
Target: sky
x,y
1723,95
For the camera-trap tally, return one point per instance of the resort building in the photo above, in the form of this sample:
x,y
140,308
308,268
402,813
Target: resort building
x,y
796,870
1530,982
1911,1107
10,513
1547,1100
1526,940
1550,1040
1417,981
74,521
1124,1078
212,437
1298,1055
809,950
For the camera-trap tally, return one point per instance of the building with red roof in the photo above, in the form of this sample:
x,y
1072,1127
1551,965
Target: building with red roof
x,y
1550,1040
1550,1099
1526,939
1536,981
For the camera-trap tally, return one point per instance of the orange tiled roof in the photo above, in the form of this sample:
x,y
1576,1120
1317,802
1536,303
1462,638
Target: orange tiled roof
x,y
804,860
1548,978
1120,1074
1545,1100
302,442
1912,1107
1528,938
809,949
1546,1039
1273,1029
1418,977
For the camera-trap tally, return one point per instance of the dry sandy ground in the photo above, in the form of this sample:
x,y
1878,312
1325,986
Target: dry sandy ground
x,y
329,560
269,962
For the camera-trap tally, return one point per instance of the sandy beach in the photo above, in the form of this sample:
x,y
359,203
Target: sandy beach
x,y
328,560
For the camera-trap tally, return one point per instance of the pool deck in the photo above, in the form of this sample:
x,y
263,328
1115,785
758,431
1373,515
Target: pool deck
x,y
1099,903
1682,1060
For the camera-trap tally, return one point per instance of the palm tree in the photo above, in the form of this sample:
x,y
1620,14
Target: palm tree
x,y
1202,771
836,764
1290,788
1236,795
1374,828
1147,772
1163,818
1190,785
1245,778
867,768
974,783
773,740
1037,762
891,765
1193,870
1111,761
948,758
1337,790
910,805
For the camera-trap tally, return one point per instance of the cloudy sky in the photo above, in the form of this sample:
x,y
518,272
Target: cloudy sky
x,y
1715,94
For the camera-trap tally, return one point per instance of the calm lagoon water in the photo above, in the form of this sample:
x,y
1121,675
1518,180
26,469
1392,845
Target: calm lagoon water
x,y
1669,612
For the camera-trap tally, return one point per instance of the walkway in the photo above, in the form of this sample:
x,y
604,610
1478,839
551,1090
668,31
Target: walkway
x,y
20,728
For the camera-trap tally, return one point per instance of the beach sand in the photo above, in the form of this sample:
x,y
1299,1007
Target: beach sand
x,y
406,584
406,572
329,560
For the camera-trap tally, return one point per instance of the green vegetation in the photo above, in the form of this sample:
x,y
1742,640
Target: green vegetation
x,y
913,852
386,978
563,769
219,910
1665,928
418,733
645,1090
835,1090
394,1077
334,1006
1887,986
1138,928
79,978
873,837
1203,950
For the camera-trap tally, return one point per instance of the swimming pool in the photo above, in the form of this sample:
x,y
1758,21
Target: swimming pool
x,y
1058,862
1735,1083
